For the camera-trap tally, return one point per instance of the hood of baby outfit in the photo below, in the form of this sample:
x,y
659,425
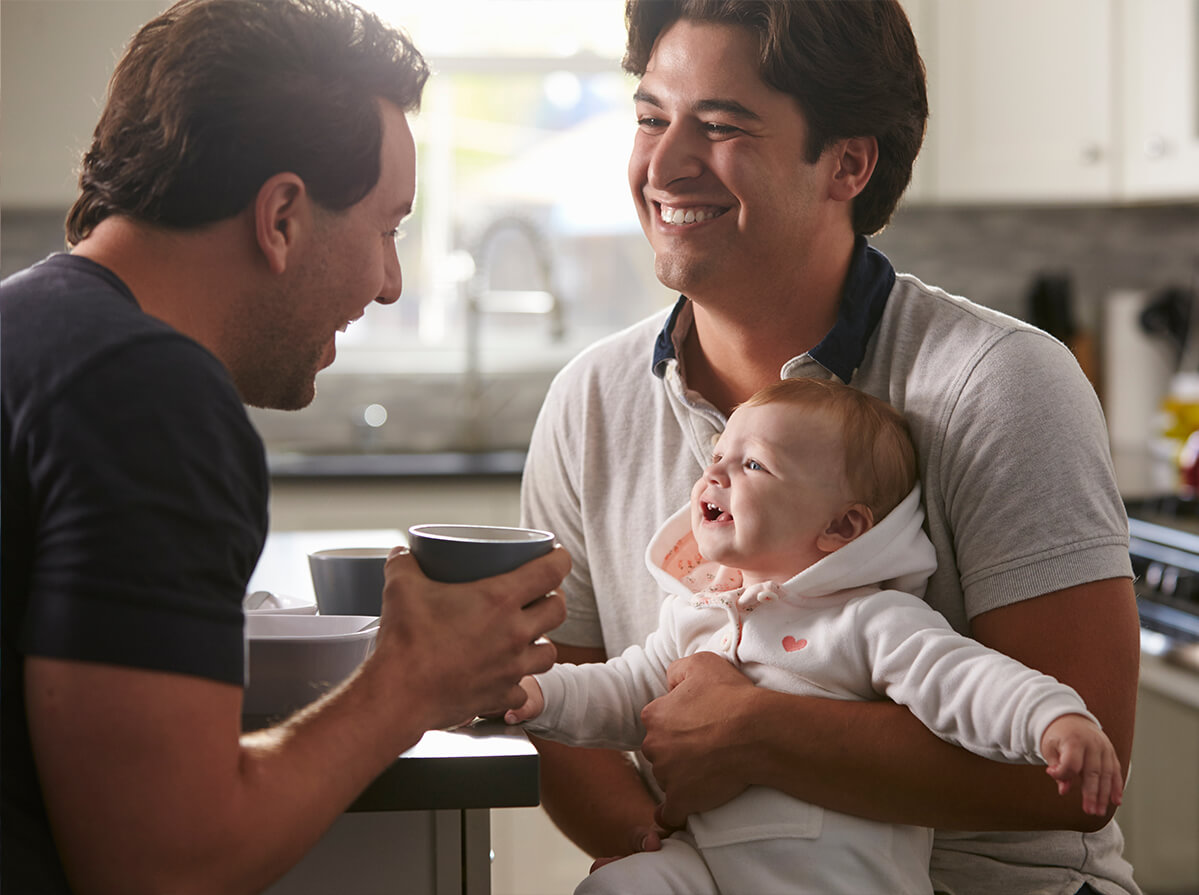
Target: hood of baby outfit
x,y
895,553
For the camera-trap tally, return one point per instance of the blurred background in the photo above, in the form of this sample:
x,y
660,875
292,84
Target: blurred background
x,y
523,247
1060,189
1059,182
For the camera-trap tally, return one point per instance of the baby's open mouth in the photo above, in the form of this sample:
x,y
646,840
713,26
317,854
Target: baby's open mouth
x,y
713,513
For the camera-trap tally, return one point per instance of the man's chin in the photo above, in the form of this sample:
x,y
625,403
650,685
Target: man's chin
x,y
284,402
279,393
329,354
676,273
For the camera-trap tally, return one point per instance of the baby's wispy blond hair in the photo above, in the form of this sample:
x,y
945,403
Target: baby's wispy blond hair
x,y
880,459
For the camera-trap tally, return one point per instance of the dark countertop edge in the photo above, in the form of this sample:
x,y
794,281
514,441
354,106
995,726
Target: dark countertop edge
x,y
463,464
510,781
483,765
486,764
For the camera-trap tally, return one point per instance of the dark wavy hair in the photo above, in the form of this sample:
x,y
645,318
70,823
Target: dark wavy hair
x,y
852,65
214,97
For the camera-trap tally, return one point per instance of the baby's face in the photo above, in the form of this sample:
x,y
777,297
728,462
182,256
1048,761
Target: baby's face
x,y
775,483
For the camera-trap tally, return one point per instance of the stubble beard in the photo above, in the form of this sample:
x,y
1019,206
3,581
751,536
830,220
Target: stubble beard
x,y
279,361
276,365
675,273
287,384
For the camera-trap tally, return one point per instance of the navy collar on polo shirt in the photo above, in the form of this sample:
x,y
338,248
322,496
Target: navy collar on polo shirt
x,y
867,286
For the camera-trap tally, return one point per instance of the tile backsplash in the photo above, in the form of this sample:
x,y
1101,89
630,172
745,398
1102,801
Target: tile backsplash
x,y
990,255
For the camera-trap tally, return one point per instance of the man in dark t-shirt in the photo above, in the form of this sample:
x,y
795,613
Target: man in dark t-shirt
x,y
117,561
238,207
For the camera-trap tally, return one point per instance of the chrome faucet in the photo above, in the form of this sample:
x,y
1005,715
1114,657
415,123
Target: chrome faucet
x,y
480,299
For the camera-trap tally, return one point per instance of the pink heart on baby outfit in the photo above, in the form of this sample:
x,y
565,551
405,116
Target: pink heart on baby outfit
x,y
790,644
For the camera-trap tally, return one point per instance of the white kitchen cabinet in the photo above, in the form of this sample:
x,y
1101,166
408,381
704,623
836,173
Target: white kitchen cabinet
x,y
396,853
1159,96
1022,107
1058,101
1160,813
919,13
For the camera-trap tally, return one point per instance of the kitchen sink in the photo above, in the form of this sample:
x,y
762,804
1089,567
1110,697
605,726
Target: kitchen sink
x,y
415,405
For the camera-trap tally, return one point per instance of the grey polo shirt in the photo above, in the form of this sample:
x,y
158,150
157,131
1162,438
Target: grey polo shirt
x,y
1019,489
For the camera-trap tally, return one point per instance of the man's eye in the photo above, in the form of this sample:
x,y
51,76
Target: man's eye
x,y
650,123
718,129
397,234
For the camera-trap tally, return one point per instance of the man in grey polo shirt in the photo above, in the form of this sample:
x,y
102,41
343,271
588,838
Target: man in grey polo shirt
x,y
765,155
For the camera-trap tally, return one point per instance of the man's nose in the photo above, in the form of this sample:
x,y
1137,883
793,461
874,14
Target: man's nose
x,y
674,156
393,278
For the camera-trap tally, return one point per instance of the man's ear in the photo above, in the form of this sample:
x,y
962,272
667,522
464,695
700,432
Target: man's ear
x,y
856,158
854,521
281,215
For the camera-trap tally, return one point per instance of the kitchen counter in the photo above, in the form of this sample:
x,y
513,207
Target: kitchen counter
x,y
459,464
1170,677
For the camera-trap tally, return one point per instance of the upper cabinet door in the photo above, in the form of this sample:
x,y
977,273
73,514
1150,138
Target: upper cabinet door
x,y
1159,98
920,15
1023,100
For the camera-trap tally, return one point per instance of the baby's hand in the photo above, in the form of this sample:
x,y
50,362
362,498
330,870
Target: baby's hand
x,y
534,703
1077,750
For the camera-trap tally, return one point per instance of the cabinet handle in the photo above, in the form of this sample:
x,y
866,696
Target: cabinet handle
x,y
1157,146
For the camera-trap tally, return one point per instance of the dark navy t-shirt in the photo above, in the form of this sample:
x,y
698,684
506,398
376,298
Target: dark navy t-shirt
x,y
134,501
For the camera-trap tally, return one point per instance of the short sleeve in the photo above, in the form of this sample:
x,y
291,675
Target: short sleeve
x,y
148,494
1028,479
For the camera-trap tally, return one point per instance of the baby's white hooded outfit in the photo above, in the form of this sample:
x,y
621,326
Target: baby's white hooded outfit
x,y
847,627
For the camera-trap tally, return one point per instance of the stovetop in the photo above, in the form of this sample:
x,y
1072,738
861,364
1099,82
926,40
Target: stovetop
x,y
1171,511
1164,546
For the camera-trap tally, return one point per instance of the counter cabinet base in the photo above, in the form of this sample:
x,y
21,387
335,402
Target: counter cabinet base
x,y
397,853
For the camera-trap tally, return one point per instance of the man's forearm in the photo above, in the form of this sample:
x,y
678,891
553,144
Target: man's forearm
x,y
151,788
596,797
180,805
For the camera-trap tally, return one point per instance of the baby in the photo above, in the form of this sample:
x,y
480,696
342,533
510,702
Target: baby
x,y
797,560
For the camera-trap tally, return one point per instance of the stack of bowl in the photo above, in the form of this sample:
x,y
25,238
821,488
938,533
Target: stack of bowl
x,y
292,659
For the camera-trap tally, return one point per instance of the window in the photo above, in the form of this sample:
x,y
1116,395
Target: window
x,y
521,194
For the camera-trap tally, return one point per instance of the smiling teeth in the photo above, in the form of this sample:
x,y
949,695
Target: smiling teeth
x,y
714,513
689,216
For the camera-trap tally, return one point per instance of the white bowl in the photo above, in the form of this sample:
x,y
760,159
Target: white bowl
x,y
263,602
293,659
